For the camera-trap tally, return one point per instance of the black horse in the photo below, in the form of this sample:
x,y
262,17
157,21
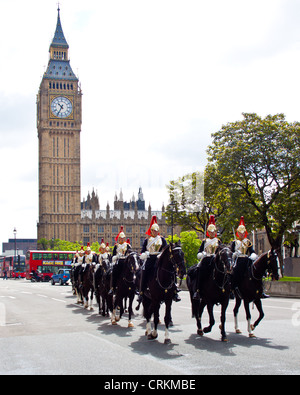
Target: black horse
x,y
102,287
77,283
162,288
215,290
251,288
126,287
87,285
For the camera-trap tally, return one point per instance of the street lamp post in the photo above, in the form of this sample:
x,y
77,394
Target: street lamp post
x,y
172,205
15,257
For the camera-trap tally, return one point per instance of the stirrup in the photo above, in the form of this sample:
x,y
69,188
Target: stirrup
x,y
176,298
238,292
196,295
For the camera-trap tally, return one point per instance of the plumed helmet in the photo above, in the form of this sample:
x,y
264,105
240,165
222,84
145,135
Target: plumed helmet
x,y
153,225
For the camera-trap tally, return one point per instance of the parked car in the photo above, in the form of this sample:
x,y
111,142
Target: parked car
x,y
62,277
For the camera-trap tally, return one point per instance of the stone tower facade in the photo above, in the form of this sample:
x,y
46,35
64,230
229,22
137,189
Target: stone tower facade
x,y
59,118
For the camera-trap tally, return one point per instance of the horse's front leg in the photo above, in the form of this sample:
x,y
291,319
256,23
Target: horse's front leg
x,y
258,305
154,335
85,296
248,317
130,311
223,319
198,311
238,302
168,320
210,309
92,299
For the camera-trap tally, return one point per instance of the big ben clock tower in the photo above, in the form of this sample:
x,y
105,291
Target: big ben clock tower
x,y
59,125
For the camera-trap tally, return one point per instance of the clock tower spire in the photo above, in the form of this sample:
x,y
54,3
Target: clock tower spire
x,y
59,120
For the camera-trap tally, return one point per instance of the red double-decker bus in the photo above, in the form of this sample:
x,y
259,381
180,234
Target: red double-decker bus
x,y
47,263
13,265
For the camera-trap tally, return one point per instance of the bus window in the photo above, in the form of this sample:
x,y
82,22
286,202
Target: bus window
x,y
37,256
47,256
63,256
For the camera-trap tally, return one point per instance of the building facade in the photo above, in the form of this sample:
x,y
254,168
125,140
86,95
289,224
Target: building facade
x,y
59,120
97,224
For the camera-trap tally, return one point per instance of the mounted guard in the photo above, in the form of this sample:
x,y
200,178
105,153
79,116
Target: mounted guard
x,y
243,256
152,247
205,255
121,250
103,252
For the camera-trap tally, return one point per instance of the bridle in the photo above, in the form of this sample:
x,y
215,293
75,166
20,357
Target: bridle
x,y
224,272
132,269
175,265
270,255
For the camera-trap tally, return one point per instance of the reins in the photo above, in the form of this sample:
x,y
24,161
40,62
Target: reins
x,y
173,272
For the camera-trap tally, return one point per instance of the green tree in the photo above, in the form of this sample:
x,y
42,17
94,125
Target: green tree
x,y
191,203
256,162
190,244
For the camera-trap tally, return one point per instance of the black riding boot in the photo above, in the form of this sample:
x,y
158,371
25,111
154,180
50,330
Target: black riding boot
x,y
196,295
143,285
113,280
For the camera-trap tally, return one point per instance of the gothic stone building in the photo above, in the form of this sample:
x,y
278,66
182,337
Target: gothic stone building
x,y
97,224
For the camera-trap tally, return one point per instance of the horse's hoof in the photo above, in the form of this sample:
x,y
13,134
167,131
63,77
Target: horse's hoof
x,y
224,339
151,337
130,325
207,329
252,327
251,335
117,315
200,332
114,323
238,331
167,341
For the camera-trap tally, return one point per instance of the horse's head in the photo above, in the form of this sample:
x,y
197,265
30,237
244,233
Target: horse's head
x,y
132,262
177,258
272,264
223,259
105,264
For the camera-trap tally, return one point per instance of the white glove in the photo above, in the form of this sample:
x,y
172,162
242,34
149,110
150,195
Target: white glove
x,y
199,256
253,256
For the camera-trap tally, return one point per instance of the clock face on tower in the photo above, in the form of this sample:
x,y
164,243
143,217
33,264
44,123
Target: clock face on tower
x,y
61,107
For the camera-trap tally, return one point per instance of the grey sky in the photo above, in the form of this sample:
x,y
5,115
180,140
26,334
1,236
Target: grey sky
x,y
158,77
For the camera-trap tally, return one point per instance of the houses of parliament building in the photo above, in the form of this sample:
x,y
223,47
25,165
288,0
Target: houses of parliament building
x,y
62,215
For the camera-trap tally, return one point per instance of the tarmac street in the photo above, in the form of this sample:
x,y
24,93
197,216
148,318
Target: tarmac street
x,y
43,331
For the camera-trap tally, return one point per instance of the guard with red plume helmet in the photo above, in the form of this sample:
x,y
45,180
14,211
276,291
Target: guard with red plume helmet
x,y
90,256
205,255
103,252
243,256
121,250
152,247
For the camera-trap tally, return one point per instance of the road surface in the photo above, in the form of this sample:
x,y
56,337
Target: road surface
x,y
43,331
